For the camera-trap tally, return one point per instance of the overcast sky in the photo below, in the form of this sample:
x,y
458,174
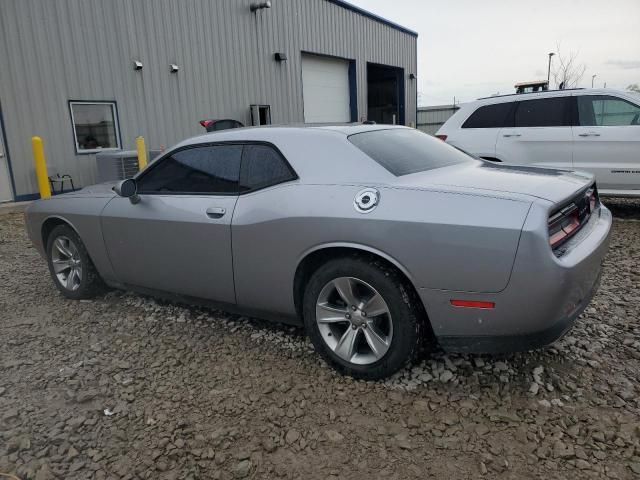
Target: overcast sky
x,y
474,48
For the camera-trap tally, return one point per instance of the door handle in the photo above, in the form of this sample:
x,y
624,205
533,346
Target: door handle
x,y
216,212
512,135
589,134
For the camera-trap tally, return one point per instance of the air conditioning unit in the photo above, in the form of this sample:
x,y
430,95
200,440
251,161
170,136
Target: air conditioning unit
x,y
119,164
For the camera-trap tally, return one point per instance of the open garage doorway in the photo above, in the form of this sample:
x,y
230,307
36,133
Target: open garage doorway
x,y
385,94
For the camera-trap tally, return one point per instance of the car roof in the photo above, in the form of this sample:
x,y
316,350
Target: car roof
x,y
514,97
318,153
260,132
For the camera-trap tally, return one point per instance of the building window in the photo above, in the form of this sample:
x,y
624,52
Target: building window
x,y
260,114
95,126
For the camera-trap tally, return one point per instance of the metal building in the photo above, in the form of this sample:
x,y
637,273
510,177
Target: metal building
x,y
430,119
91,75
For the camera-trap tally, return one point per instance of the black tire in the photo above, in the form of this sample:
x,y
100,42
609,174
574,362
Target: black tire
x,y
88,284
406,314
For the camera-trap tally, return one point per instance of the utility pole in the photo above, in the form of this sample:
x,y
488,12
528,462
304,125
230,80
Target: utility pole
x,y
551,54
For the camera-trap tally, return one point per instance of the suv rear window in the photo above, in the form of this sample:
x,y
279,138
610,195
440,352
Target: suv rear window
x,y
491,116
403,151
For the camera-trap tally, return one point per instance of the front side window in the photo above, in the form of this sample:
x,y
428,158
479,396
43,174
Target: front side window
x,y
403,151
491,116
606,111
263,166
543,112
211,169
95,126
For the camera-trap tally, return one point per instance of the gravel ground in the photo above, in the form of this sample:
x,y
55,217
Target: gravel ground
x,y
129,387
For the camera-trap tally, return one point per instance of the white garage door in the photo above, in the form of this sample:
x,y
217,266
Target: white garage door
x,y
325,89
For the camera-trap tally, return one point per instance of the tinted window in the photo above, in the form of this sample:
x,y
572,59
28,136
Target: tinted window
x,y
490,116
603,110
204,170
404,150
545,112
263,166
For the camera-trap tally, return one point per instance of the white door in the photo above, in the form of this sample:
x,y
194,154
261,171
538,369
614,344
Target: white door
x,y
478,134
325,89
5,183
541,135
607,141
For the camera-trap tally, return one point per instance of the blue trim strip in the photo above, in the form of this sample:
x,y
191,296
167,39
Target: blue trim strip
x,y
27,197
36,196
372,16
353,91
7,155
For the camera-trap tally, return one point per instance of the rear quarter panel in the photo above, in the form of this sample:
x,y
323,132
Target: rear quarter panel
x,y
439,239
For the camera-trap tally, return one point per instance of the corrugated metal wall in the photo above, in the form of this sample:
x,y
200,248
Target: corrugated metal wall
x,y
430,119
55,51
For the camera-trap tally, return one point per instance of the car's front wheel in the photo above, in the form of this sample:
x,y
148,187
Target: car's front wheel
x,y
71,267
362,317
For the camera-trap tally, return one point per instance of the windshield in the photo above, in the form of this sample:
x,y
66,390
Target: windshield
x,y
403,151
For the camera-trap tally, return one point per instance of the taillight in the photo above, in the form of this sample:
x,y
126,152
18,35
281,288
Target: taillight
x,y
206,123
563,224
592,196
442,137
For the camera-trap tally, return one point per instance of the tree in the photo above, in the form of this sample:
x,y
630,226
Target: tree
x,y
567,72
634,87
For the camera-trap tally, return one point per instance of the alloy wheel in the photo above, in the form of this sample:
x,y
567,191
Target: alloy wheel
x,y
66,262
354,320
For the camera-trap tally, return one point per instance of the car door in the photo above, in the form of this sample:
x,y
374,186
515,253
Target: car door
x,y
264,280
177,238
541,135
607,141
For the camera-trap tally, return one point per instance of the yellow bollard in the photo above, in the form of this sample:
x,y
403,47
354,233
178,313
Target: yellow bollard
x,y
142,153
41,167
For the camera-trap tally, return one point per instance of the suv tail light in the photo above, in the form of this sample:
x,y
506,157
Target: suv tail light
x,y
442,137
564,223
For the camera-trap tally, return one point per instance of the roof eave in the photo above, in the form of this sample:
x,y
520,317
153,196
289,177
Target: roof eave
x,y
373,16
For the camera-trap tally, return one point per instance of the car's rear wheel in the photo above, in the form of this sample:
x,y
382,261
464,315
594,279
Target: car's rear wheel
x,y
71,268
362,317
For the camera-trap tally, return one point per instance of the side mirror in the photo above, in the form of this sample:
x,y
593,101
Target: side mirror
x,y
127,189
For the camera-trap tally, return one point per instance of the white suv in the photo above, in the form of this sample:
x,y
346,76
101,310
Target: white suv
x,y
596,130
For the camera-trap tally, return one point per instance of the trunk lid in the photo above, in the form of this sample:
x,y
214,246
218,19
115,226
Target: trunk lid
x,y
549,184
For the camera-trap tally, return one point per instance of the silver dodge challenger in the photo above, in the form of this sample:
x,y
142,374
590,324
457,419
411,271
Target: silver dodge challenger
x,y
380,240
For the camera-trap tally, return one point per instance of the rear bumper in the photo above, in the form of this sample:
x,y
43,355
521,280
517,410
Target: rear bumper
x,y
516,343
544,296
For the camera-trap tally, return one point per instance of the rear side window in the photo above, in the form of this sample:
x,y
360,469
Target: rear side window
x,y
263,166
544,112
403,151
210,170
491,116
606,111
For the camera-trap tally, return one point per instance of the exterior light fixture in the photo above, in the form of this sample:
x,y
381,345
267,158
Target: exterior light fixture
x,y
137,65
280,57
259,6
412,76
173,68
